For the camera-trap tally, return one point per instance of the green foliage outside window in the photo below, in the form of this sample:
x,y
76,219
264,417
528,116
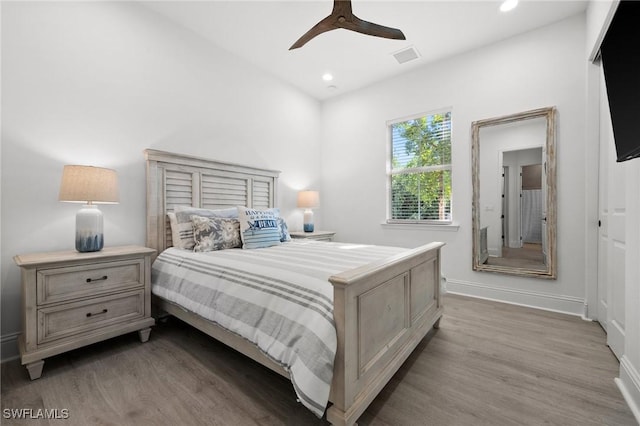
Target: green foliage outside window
x,y
421,169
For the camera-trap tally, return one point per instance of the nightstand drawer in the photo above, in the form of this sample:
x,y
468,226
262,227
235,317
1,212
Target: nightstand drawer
x,y
57,322
63,284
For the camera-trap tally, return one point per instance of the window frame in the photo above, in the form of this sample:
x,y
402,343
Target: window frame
x,y
415,170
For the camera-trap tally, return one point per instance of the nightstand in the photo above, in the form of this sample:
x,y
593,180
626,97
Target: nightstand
x,y
72,299
316,235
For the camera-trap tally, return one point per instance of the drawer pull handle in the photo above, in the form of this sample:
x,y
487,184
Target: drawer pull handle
x,y
102,278
104,311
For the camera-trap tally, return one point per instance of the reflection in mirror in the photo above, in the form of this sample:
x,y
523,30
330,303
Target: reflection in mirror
x,y
514,194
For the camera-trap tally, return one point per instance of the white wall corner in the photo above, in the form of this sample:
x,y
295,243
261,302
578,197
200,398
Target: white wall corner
x,y
599,16
9,347
548,302
629,385
585,312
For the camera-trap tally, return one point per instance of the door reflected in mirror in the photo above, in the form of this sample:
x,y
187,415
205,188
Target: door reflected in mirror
x,y
515,239
514,194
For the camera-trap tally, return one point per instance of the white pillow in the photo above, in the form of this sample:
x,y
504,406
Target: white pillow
x,y
175,232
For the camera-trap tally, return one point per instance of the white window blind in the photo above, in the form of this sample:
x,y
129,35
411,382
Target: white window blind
x,y
420,173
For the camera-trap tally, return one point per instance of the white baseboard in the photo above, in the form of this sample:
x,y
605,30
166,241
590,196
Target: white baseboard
x,y
9,347
548,302
629,385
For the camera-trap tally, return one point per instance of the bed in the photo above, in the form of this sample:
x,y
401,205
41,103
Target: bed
x,y
381,309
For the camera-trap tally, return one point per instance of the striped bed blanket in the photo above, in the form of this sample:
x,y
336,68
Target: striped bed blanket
x,y
278,297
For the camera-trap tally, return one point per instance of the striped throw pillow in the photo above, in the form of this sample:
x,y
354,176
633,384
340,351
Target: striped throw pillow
x,y
258,228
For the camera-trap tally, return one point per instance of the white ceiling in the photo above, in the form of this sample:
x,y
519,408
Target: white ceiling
x,y
262,32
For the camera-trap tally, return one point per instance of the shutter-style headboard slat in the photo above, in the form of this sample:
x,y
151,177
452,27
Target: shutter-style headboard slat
x,y
224,191
178,188
176,179
262,194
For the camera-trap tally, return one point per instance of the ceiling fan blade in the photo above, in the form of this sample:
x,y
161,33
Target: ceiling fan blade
x,y
342,8
342,17
327,24
369,28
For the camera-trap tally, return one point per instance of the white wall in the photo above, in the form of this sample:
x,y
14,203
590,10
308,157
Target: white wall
x,y
96,83
542,68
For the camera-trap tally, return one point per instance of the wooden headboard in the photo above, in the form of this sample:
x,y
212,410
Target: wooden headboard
x,y
176,179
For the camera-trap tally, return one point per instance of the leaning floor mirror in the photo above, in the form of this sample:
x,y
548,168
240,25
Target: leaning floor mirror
x,y
514,194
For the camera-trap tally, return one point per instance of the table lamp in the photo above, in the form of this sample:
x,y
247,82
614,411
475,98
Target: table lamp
x,y
89,185
308,200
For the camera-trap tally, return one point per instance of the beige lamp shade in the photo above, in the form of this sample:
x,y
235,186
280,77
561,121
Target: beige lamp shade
x,y
88,184
308,199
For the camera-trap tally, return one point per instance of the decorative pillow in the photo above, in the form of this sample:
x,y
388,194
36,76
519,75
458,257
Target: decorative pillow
x,y
175,233
258,228
215,233
284,230
182,233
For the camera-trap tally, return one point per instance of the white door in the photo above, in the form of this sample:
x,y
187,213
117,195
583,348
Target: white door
x,y
611,242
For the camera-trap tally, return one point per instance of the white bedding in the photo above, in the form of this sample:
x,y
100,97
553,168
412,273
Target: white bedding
x,y
278,297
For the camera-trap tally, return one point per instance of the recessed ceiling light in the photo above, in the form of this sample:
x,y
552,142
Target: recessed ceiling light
x,y
508,5
327,77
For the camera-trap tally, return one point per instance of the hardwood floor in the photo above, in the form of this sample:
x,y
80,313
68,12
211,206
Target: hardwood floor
x,y
488,364
529,256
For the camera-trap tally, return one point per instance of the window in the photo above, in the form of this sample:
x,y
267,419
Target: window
x,y
420,171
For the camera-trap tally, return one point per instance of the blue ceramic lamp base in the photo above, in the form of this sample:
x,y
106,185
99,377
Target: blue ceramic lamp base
x,y
307,221
89,243
89,235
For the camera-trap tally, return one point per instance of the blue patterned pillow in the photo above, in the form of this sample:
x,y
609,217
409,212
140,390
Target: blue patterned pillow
x,y
215,233
258,228
284,230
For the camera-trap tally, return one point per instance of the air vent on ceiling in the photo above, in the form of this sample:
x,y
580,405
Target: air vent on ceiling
x,y
406,55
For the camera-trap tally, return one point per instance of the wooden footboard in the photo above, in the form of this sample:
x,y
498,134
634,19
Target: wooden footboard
x,y
382,311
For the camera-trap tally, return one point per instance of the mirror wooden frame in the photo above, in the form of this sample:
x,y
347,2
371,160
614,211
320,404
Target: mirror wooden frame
x,y
549,113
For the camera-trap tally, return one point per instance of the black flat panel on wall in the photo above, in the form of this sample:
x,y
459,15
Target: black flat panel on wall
x,y
620,52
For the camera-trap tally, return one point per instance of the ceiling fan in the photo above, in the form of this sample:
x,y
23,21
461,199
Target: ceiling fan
x,y
343,17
